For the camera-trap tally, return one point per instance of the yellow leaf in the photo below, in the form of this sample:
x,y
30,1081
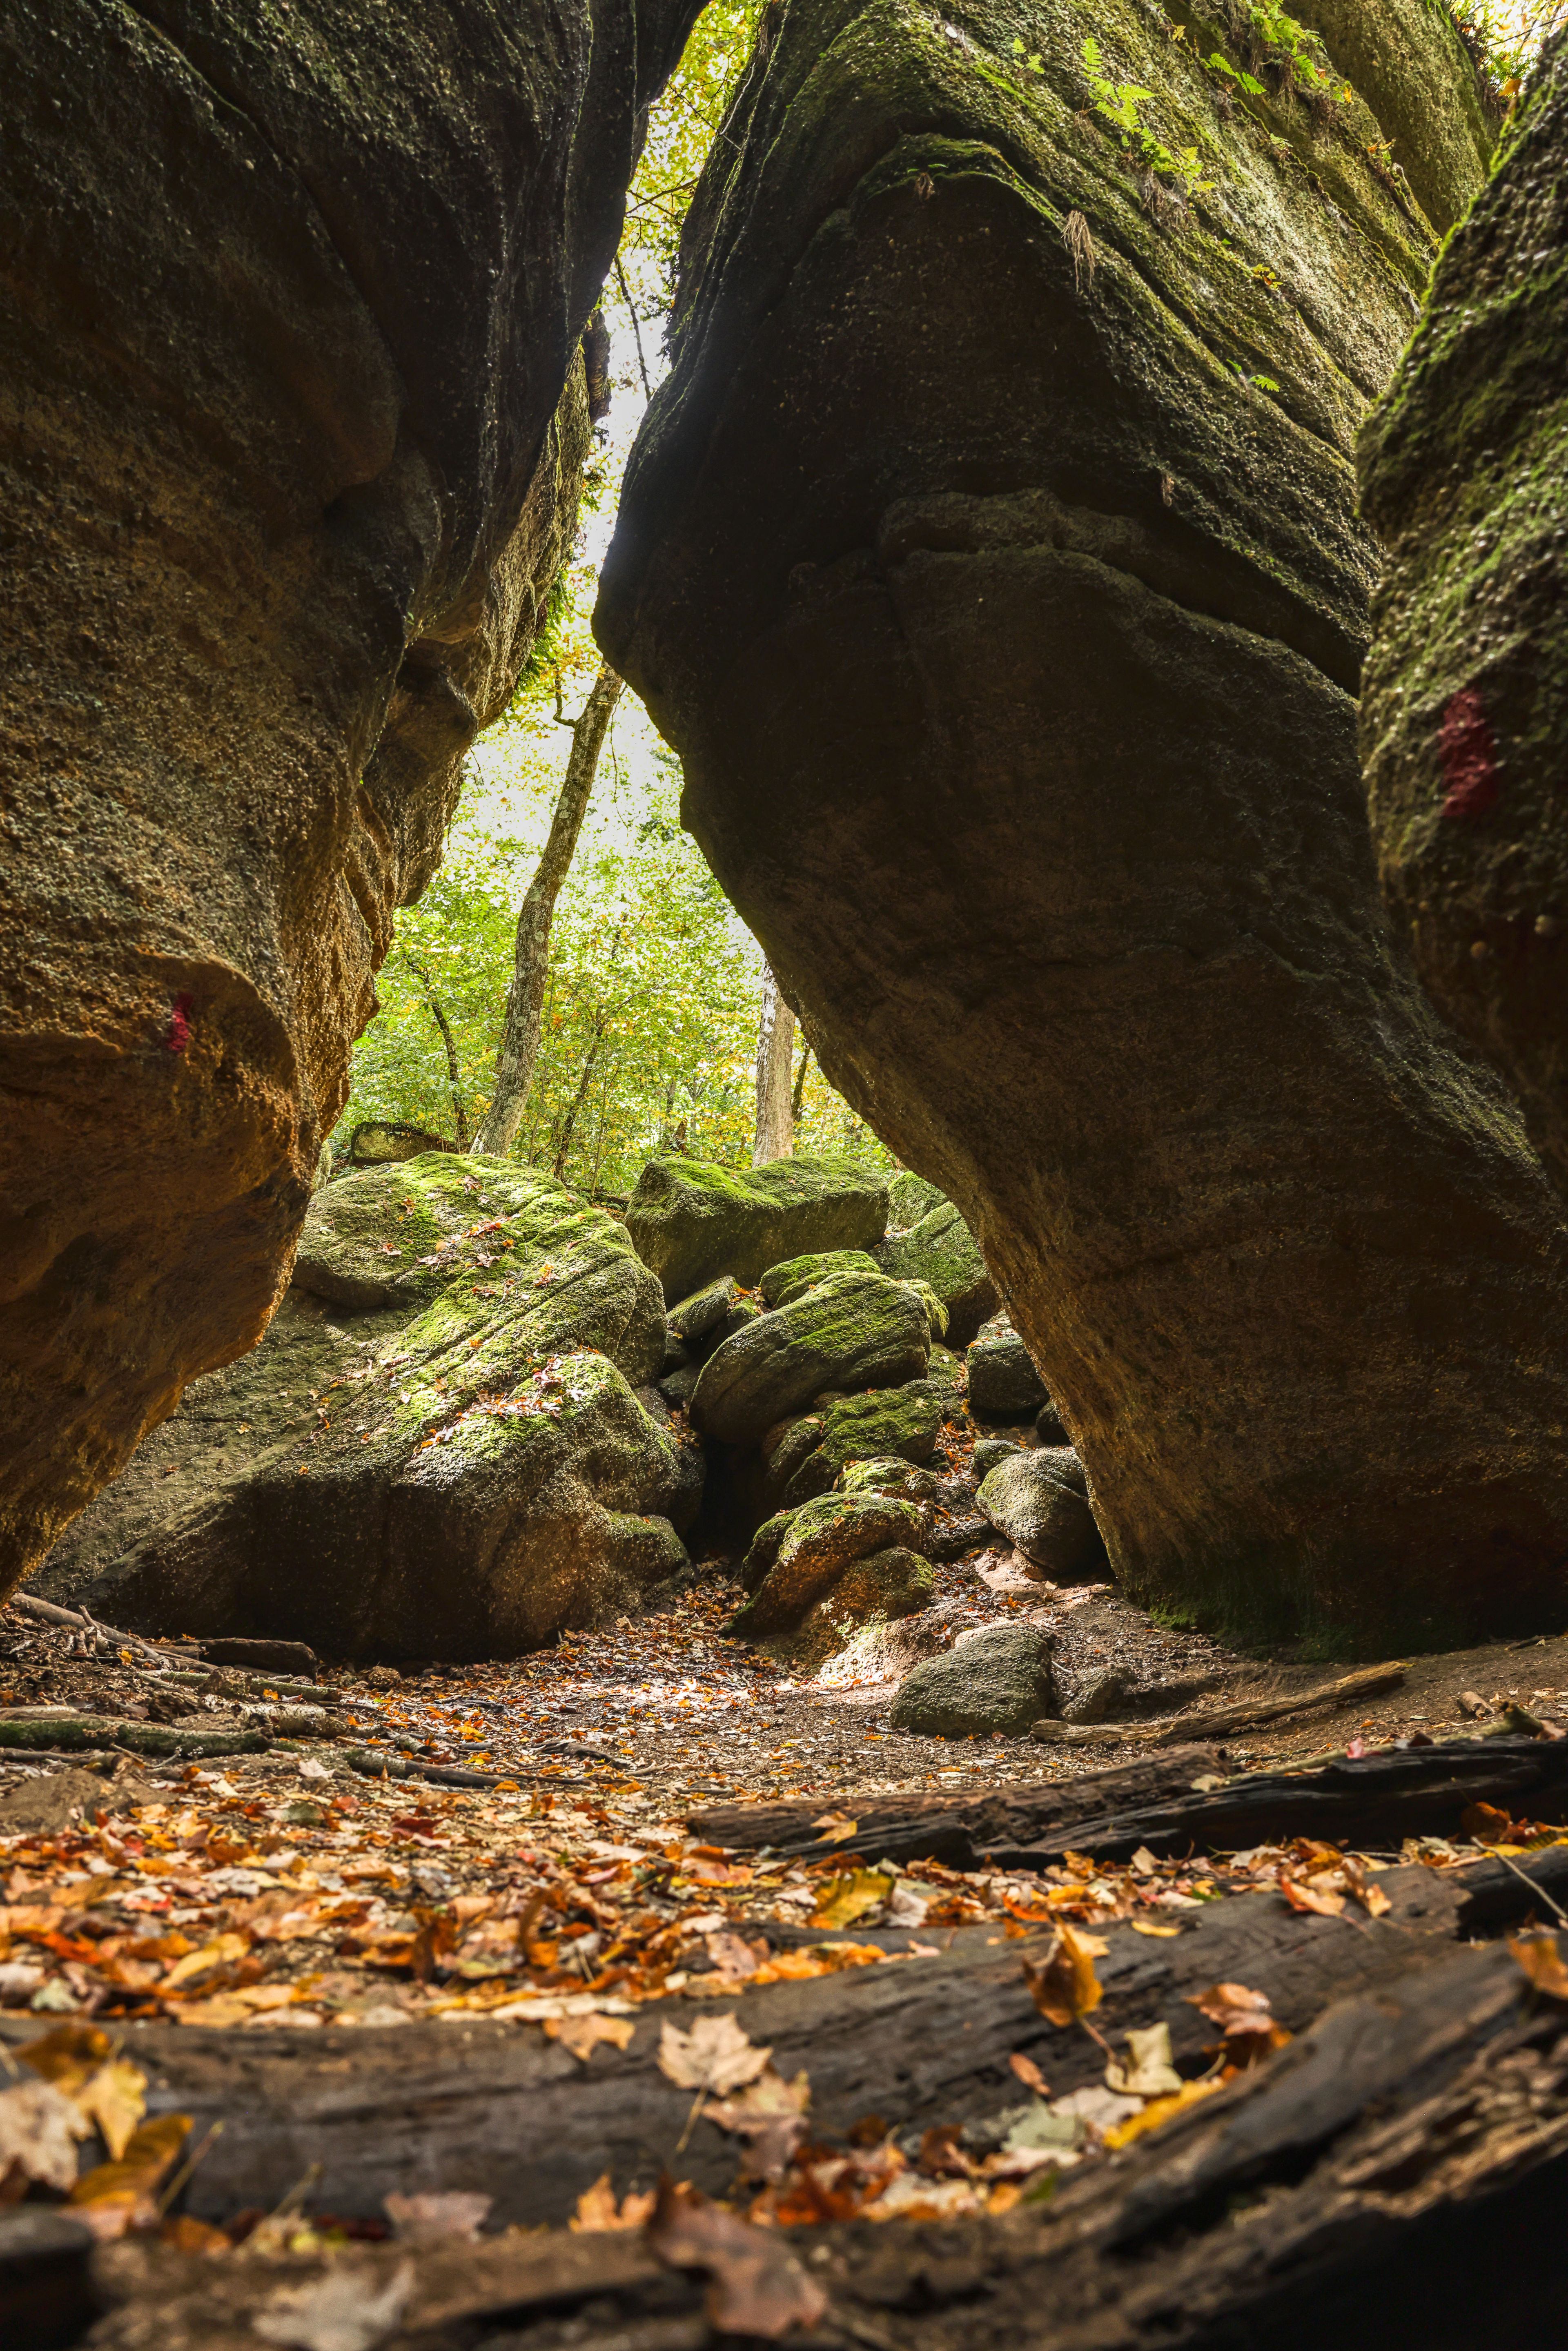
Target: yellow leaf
x,y
1542,1963
66,2057
221,1953
1160,2110
1064,1985
836,1828
1147,1927
842,1900
114,2099
114,2195
597,2208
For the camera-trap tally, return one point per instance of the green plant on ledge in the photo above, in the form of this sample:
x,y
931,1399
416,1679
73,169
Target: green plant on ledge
x,y
1118,102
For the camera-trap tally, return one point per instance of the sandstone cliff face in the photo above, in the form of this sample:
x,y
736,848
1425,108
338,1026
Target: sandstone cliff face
x,y
288,299
991,557
1465,720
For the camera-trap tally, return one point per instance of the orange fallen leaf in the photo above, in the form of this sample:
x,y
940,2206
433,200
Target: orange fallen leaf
x,y
755,2286
1064,1986
114,2196
1158,2111
1302,1896
1028,2073
1542,1963
582,2035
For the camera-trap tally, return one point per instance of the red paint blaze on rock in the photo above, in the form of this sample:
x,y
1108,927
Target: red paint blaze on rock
x,y
179,1035
1468,749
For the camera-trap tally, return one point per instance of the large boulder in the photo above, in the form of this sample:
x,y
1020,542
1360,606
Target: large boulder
x,y
1037,1499
809,1455
290,454
939,1249
1000,1677
853,1330
1025,438
1464,722
692,1221
800,1554
880,1589
1003,1382
442,1459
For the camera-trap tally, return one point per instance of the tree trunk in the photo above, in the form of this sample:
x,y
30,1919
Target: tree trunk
x,y
520,1038
578,1098
453,1076
775,1053
801,1083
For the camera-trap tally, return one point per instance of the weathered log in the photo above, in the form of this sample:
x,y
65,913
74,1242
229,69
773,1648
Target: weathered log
x,y
1391,2182
498,2108
1371,1801
1222,1722
81,1734
263,1657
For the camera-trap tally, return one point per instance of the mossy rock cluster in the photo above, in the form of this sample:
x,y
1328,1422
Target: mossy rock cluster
x,y
458,1464
693,1221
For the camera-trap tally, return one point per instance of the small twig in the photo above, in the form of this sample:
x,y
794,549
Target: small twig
x,y
1532,1885
188,2166
691,2120
636,329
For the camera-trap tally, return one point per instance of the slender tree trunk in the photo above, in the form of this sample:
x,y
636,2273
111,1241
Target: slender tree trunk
x,y
453,1076
775,1053
521,1037
578,1098
801,1083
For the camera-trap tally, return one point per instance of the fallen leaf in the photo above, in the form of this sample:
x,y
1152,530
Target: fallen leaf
x,y
755,2286
1147,1927
1149,2074
1542,1963
1028,2073
337,2312
842,1900
420,2220
1064,1985
1158,2111
836,1827
1302,1896
596,2209
115,2099
68,2056
39,2131
582,2035
1364,1887
113,2195
222,1952
769,2114
1486,1825
1244,2017
715,2055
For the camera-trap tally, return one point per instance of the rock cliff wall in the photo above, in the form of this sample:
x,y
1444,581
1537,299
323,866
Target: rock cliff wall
x,y
991,557
291,428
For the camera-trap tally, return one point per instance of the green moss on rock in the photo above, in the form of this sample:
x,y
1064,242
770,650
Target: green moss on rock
x,y
808,1553
853,1330
691,1220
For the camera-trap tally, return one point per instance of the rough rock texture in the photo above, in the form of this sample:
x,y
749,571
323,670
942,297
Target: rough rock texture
x,y
942,1250
1003,1382
884,1651
289,301
1038,1502
997,1679
855,1330
691,1221
990,556
815,1450
1464,714
698,1317
781,1283
799,1555
881,1589
446,1460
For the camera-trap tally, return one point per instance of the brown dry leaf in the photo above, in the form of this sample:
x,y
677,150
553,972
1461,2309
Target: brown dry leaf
x,y
1244,2017
66,2057
1366,1887
38,2130
114,2195
1064,1985
1486,1824
115,2099
1542,1963
596,2209
755,2286
842,1900
1028,2073
769,2115
582,2035
716,2055
1302,1896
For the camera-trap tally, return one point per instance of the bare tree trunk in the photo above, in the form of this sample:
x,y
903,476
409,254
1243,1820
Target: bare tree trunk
x,y
775,1053
520,1038
801,1083
559,1170
453,1076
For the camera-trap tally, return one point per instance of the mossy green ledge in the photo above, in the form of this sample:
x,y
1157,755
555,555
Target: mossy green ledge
x,y
692,1221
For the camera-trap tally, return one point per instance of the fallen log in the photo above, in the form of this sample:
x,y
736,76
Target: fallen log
x,y
1391,2182
1371,1803
67,1734
503,2110
1222,1722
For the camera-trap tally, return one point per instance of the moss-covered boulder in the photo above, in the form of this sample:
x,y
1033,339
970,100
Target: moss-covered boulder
x,y
879,1589
1004,1383
1000,1679
909,1198
704,1313
1464,716
855,1330
781,1283
1017,414
813,1454
1037,1499
457,1468
692,1221
940,1249
902,1479
800,1554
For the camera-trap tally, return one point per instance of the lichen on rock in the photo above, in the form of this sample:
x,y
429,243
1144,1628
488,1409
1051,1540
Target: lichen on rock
x,y
692,1220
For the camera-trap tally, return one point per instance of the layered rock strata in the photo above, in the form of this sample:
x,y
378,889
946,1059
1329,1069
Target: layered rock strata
x,y
1464,470
990,554
289,301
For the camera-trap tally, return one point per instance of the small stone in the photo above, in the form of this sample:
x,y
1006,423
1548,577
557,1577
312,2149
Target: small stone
x,y
1002,1678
